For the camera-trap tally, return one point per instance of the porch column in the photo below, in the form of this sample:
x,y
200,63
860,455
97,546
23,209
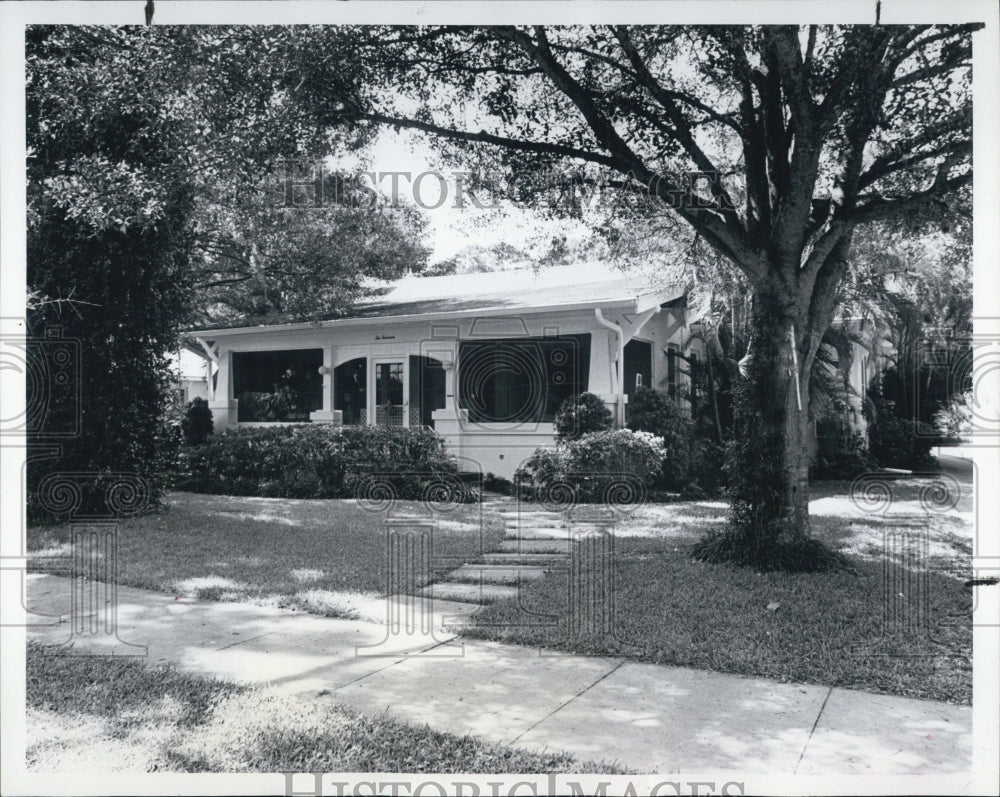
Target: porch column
x,y
603,381
223,405
327,414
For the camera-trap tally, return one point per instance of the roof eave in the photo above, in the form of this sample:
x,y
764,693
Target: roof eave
x,y
637,305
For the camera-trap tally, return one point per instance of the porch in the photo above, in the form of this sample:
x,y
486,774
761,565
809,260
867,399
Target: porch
x,y
488,378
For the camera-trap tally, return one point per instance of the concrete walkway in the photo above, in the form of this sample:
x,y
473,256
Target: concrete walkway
x,y
646,717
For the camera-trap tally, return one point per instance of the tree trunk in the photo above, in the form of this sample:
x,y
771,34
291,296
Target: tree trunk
x,y
769,466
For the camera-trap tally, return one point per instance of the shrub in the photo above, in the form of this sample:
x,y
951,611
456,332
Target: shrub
x,y
621,451
954,420
705,469
896,442
196,425
591,463
841,452
655,412
498,484
580,415
901,443
319,461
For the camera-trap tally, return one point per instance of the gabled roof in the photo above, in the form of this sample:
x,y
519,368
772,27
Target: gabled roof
x,y
553,289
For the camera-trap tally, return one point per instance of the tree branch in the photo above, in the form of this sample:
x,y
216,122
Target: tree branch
x,y
601,126
540,147
880,209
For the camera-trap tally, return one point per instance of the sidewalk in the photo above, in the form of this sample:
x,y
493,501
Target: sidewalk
x,y
644,716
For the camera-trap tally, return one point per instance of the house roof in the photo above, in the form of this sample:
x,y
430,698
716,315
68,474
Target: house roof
x,y
558,288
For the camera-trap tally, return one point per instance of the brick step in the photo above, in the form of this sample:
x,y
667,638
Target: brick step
x,y
470,593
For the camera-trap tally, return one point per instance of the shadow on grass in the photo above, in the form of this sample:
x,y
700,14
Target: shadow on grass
x,y
805,555
839,628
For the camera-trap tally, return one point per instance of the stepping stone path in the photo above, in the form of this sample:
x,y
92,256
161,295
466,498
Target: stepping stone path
x,y
536,543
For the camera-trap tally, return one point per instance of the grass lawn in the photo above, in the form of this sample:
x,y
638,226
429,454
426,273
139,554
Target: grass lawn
x,y
147,719
825,629
319,555
828,628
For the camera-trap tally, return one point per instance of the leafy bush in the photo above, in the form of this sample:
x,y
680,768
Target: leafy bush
x,y
686,459
319,461
580,415
618,451
591,463
954,420
498,484
900,443
706,469
894,441
841,452
196,424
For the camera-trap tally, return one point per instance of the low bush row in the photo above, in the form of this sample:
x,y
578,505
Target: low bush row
x,y
659,454
322,461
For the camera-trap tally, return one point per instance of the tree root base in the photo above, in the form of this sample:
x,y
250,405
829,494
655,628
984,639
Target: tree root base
x,y
736,547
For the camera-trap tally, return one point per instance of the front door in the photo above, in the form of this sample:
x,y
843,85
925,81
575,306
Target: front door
x,y
390,397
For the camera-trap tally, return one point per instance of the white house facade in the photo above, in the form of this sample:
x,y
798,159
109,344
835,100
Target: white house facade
x,y
483,359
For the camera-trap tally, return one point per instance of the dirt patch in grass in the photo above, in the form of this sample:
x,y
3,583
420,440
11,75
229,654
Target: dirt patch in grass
x,y
937,532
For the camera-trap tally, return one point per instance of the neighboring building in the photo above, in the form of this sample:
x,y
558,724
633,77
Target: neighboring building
x,y
193,374
483,359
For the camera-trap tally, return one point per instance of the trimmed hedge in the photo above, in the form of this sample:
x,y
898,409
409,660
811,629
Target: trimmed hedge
x,y
321,461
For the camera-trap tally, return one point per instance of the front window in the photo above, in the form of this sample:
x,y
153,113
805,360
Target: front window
x,y
522,380
273,386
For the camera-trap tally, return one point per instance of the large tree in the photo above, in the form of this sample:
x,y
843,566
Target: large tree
x,y
796,135
141,140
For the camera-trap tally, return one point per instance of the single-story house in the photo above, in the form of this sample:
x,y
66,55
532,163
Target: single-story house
x,y
484,359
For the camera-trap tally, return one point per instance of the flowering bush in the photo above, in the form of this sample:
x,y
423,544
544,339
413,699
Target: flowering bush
x,y
592,462
618,451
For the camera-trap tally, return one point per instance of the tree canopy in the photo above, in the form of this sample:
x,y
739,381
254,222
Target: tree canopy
x,y
148,149
773,143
